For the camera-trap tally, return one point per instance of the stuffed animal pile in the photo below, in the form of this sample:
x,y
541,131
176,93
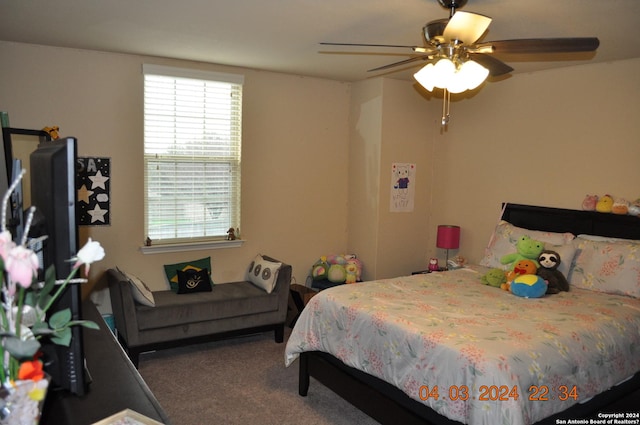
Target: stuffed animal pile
x,y
337,269
610,204
532,271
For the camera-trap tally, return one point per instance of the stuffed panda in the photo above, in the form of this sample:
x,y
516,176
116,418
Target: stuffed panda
x,y
548,270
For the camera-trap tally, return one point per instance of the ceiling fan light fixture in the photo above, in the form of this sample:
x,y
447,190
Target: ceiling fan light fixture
x,y
445,75
443,72
450,44
473,74
425,77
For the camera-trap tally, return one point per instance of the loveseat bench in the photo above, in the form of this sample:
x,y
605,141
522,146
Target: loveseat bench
x,y
229,309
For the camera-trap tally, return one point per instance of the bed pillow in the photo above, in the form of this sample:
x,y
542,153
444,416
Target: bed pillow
x,y
263,273
505,236
606,266
601,238
191,280
197,265
139,290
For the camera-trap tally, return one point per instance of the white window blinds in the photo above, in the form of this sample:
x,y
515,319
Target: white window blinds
x,y
192,144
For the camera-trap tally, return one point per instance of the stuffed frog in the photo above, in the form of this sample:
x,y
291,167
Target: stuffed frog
x,y
527,249
494,277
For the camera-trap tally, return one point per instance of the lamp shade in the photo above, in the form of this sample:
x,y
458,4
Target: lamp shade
x,y
448,237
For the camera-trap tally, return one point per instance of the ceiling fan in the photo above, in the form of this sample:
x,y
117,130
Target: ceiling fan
x,y
457,59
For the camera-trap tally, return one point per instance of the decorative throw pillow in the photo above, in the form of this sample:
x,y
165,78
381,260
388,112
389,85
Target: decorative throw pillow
x,y
140,291
505,236
193,281
197,265
263,273
612,267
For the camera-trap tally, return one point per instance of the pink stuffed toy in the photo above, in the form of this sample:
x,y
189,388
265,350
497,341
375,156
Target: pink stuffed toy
x,y
589,202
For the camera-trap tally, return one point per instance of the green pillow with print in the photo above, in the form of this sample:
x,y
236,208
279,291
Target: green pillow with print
x,y
170,270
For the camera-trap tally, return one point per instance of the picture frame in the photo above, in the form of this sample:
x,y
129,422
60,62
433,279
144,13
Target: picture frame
x,y
128,417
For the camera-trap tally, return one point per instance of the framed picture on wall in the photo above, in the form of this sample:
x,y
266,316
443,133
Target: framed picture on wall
x,y
94,191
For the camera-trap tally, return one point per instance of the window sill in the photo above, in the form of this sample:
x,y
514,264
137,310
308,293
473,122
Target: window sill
x,y
192,246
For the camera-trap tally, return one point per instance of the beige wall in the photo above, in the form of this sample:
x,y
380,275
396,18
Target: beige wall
x,y
546,138
389,125
364,172
295,147
316,154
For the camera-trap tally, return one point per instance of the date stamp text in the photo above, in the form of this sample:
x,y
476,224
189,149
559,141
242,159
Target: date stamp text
x,y
499,393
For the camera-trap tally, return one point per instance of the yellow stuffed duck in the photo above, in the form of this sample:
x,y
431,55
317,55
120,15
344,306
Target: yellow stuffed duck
x,y
605,204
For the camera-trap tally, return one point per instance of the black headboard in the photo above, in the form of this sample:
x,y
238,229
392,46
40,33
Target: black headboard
x,y
574,221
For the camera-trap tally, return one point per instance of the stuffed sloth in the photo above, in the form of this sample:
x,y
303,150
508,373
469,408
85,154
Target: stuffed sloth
x,y
548,270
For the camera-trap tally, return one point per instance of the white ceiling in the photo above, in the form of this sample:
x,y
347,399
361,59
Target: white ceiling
x,y
283,36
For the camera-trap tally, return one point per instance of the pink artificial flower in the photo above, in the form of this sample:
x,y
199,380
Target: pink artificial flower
x,y
6,244
91,252
22,265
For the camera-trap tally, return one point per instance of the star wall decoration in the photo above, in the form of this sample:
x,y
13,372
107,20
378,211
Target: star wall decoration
x,y
94,187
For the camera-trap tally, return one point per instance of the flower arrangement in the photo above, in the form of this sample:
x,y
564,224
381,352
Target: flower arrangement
x,y
25,303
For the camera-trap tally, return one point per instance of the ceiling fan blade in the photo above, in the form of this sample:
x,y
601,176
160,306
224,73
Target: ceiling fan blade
x,y
466,26
403,62
495,66
369,45
543,45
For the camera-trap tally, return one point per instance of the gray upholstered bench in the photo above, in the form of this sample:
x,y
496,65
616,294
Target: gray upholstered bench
x,y
230,309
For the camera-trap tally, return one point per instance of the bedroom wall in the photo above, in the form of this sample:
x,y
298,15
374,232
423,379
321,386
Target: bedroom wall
x,y
403,236
364,172
545,138
292,128
388,126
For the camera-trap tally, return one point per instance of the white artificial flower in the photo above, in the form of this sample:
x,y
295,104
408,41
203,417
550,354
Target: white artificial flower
x,y
91,252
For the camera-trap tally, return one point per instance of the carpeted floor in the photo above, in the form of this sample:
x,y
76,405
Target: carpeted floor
x,y
240,381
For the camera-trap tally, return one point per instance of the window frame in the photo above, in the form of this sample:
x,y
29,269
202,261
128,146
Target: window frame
x,y
170,244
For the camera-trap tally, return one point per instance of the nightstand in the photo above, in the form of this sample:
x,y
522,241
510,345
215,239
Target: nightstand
x,y
324,284
428,271
299,296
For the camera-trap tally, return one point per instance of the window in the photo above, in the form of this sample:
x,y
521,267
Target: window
x,y
192,140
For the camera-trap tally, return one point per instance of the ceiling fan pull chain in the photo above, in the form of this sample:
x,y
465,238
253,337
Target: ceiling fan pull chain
x,y
446,102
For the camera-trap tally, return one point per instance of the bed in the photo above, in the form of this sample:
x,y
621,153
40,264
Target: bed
x,y
443,348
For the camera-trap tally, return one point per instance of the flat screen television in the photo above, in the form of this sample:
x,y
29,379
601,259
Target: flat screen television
x,y
54,194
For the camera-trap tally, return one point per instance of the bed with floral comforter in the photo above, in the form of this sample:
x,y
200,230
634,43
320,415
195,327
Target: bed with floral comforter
x,y
474,353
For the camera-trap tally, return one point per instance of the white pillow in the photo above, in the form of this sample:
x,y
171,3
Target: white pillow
x,y
602,238
612,267
506,235
140,291
263,273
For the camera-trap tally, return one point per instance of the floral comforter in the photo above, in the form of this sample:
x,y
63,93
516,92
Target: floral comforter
x,y
474,353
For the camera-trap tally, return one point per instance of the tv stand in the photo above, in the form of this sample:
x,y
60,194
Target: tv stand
x,y
114,384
